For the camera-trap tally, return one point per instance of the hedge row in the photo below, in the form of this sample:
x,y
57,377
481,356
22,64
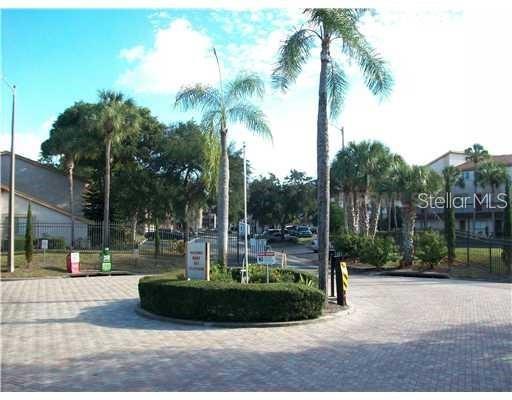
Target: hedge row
x,y
229,301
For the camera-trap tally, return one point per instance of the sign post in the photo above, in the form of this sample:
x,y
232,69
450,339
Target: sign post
x,y
266,258
198,260
44,247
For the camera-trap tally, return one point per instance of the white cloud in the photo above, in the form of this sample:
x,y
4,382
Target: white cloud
x,y
132,54
180,56
28,144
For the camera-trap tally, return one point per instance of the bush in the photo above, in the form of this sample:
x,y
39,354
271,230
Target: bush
x,y
258,274
229,301
378,251
430,248
349,244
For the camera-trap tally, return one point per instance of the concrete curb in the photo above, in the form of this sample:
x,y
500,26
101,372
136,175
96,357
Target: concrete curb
x,y
436,275
234,325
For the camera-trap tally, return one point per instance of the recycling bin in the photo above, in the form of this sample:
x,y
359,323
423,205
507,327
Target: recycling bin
x,y
106,260
73,262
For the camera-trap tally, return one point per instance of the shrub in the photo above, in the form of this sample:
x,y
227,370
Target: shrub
x,y
349,244
229,301
29,239
220,273
430,248
258,274
377,251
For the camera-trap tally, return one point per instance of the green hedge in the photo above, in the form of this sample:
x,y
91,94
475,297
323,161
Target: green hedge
x,y
229,301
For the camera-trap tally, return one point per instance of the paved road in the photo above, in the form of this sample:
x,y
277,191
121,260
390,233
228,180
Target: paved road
x,y
402,334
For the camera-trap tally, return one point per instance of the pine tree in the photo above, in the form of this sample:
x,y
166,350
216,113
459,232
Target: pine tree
x,y
29,241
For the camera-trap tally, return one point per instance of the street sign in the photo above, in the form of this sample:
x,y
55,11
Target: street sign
x,y
266,258
44,244
198,260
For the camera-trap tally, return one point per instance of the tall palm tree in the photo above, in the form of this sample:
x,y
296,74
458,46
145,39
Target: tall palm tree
x,y
116,118
451,177
221,106
475,154
412,182
71,141
492,174
331,28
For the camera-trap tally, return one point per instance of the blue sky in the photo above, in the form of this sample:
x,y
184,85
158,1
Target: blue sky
x,y
447,93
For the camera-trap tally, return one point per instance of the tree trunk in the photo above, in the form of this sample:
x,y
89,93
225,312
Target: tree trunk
x,y
364,217
374,221
106,202
355,213
395,216
408,223
390,204
134,228
223,201
186,227
349,217
474,201
322,148
70,167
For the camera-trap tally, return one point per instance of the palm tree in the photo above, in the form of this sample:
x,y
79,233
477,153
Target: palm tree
x,y
451,177
492,174
475,154
331,28
70,139
220,107
413,181
116,118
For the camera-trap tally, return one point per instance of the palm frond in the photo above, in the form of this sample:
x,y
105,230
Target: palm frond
x,y
337,86
251,117
245,85
293,54
374,69
204,96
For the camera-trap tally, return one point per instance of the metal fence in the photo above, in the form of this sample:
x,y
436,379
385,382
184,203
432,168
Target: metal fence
x,y
488,252
123,238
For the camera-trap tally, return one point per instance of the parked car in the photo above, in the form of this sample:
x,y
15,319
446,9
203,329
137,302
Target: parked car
x,y
272,235
303,232
314,245
165,234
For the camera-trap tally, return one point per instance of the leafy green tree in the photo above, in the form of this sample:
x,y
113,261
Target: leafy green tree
x,y
337,220
451,177
493,174
412,182
331,28
71,140
220,107
185,162
265,200
116,117
29,239
476,154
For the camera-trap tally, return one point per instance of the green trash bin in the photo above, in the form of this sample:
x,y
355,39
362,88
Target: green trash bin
x,y
106,260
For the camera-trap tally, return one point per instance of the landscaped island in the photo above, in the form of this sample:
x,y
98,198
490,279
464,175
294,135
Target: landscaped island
x,y
290,296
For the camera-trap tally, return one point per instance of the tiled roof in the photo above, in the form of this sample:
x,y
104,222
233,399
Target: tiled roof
x,y
505,159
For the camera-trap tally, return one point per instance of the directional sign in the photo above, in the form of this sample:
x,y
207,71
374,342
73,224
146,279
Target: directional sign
x,y
44,244
266,258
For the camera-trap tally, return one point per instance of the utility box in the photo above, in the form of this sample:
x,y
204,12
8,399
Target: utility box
x,y
106,260
73,262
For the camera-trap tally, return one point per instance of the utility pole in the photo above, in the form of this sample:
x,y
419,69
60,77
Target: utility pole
x,y
12,176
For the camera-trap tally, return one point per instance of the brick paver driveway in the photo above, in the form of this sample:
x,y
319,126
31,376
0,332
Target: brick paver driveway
x,y
402,334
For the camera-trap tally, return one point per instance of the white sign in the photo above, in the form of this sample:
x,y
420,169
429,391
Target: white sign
x,y
198,260
266,258
44,244
75,258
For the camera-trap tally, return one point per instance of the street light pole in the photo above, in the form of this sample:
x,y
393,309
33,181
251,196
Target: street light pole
x,y
246,247
12,176
342,131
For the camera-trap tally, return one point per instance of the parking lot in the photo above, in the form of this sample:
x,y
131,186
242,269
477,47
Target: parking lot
x,y
400,334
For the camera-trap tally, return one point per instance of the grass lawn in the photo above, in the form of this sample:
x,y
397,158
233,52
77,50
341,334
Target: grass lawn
x,y
54,264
